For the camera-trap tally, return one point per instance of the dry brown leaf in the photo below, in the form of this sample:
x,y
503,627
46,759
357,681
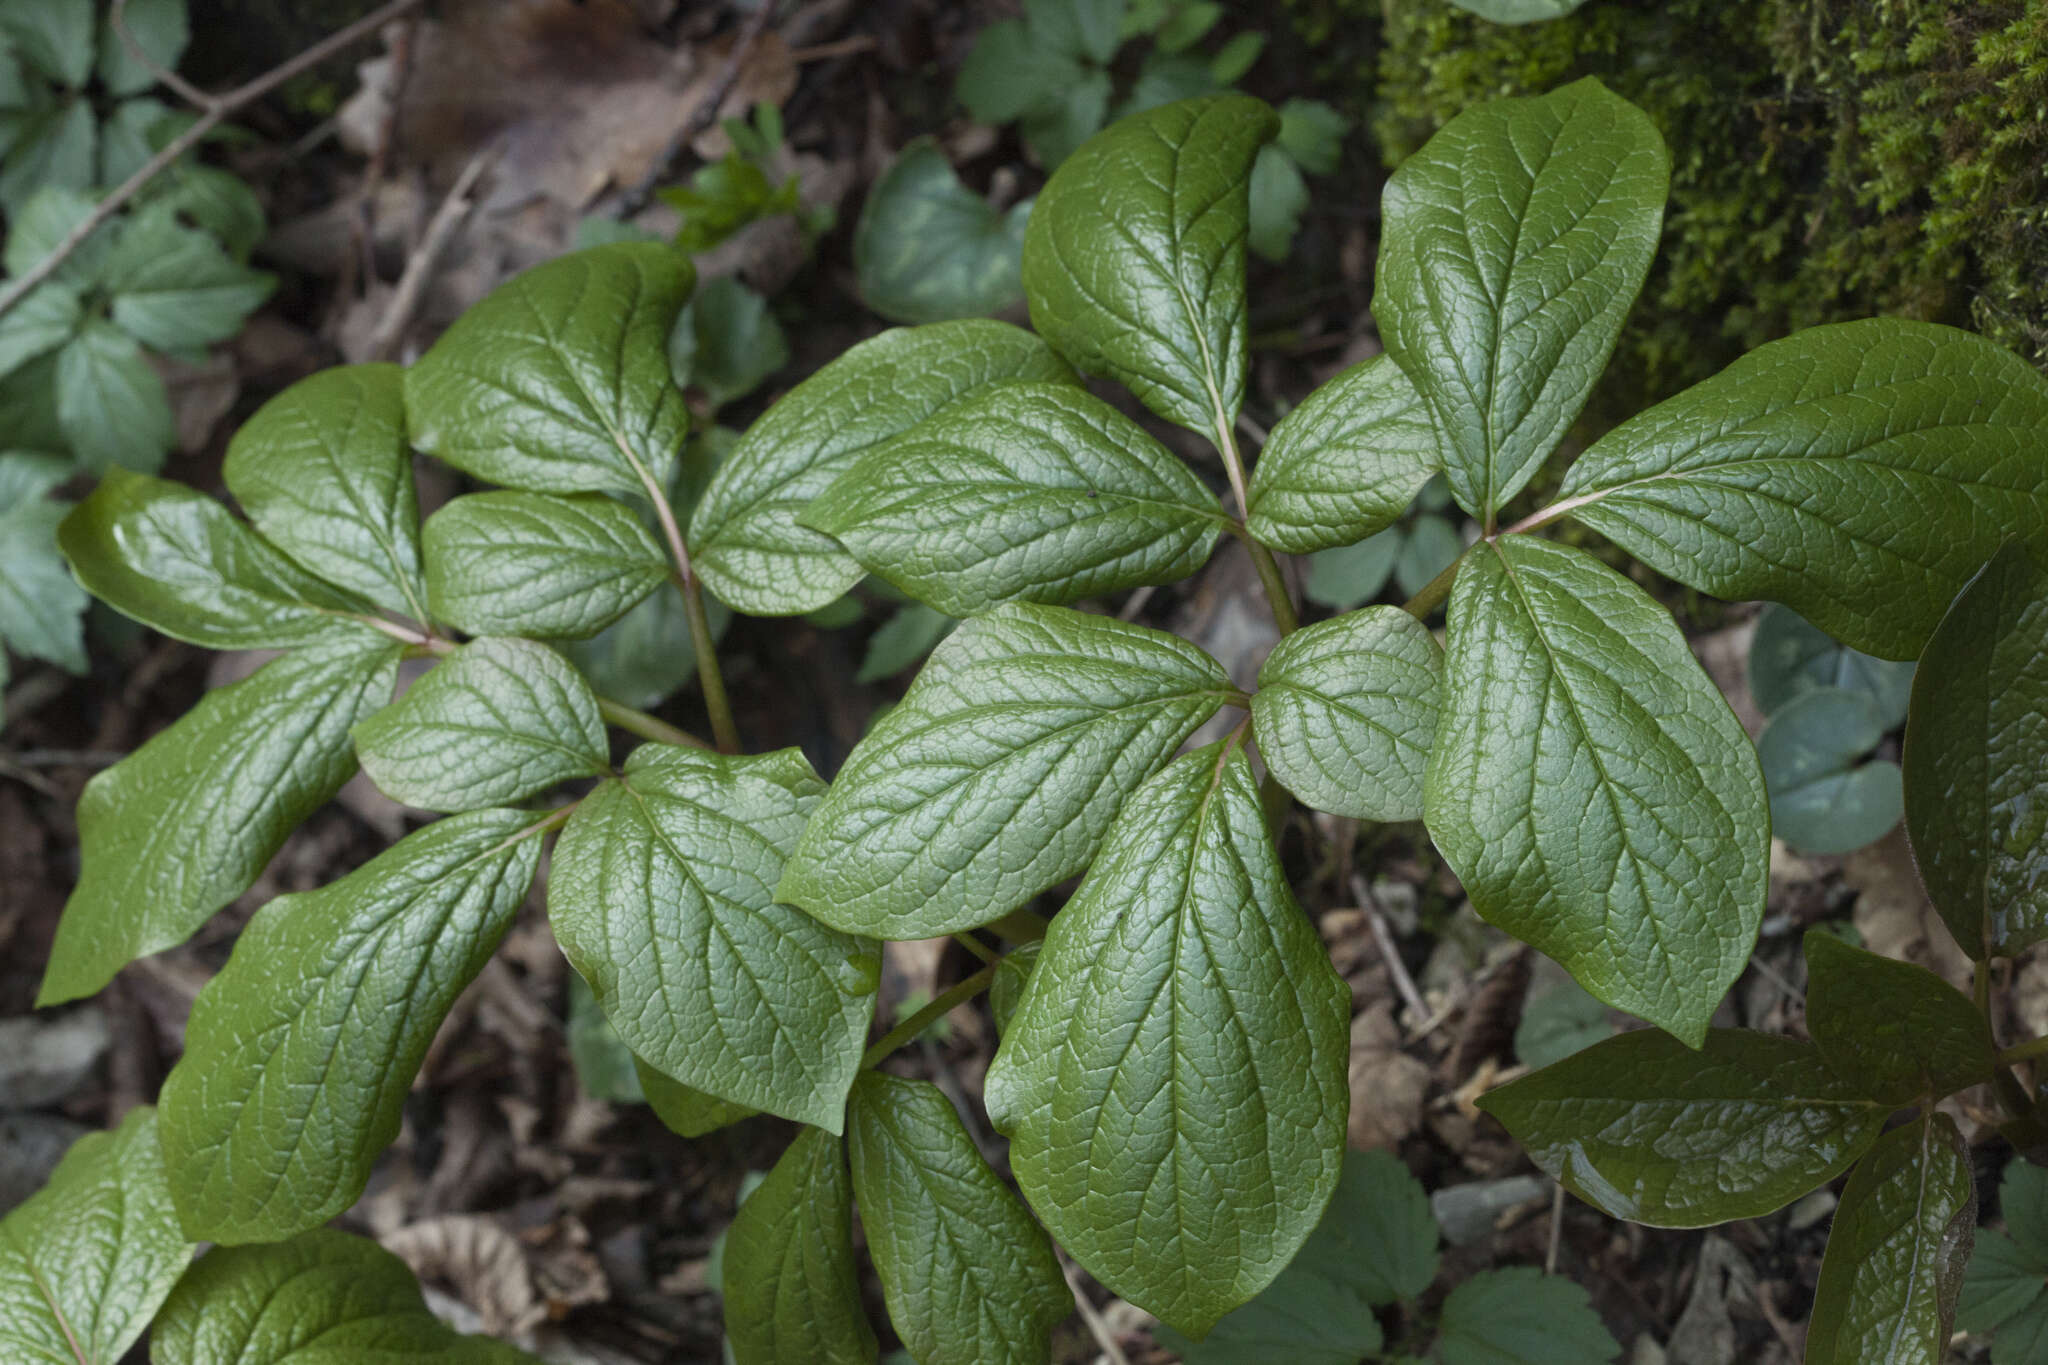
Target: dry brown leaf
x,y
482,1263
1893,913
1388,1086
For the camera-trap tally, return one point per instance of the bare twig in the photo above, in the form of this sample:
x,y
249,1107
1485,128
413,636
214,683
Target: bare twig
x,y
65,758
186,91
217,110
1098,1327
1383,937
706,113
1556,1229
419,268
1136,603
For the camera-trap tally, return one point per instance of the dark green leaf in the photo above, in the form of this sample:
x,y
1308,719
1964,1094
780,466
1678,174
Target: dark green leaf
x,y
44,320
1822,799
112,406
129,136
174,289
647,655
606,1068
1052,133
906,637
1891,1030
218,201
1520,1316
37,227
928,248
52,153
53,36
536,564
2024,1340
1089,30
735,341
2023,1199
159,28
1304,1316
792,1292
1789,657
1558,1023
686,1111
1350,575
40,604
28,407
2001,1280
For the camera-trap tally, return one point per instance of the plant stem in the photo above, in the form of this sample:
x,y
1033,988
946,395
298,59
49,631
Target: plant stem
x,y
1433,592
709,680
1270,578
2020,1052
977,947
941,1006
646,726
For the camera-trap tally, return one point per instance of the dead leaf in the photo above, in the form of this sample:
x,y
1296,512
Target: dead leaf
x,y
1705,1333
1893,913
1387,1085
482,1263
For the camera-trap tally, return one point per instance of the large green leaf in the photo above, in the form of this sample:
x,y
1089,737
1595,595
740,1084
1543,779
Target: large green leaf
x,y
1590,786
1977,760
1789,657
87,1259
323,1298
53,36
46,220
44,320
969,1278
534,564
1783,475
663,897
1032,492
1173,1084
185,824
792,1291
40,603
497,721
1345,711
53,150
1515,241
744,538
301,1050
159,27
1645,1129
113,407
174,289
929,249
176,560
1134,256
1521,1316
324,472
1891,1030
558,381
998,774
1823,800
1344,464
1896,1252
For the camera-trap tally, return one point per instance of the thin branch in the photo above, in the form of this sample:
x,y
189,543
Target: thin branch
x,y
706,113
419,268
938,1009
186,91
1383,939
637,722
1098,1326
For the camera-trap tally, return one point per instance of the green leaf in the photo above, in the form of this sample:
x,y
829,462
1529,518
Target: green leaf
x,y
1789,657
187,822
217,201
1520,1316
1345,710
1590,786
606,1068
1518,11
87,1259
53,36
929,249
1054,132
1090,30
1346,463
112,406
324,471
1313,134
1349,575
496,722
1134,257
44,320
1006,991
1236,57
1891,1030
687,1111
28,407
647,655
2023,1199
54,152
174,288
792,1291
1558,1023
301,1050
179,562
744,539
1011,71
1895,1257
128,136
40,604
39,226
324,1298
1431,546
1184,1017
536,564
2024,1340
558,382
1642,1128
968,1277
906,637
2001,1281
159,27
663,898
1279,196
1780,477
736,343
998,774
1822,799
1977,760
1031,492
1309,1319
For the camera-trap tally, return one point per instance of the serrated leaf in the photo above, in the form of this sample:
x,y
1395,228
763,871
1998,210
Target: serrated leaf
x,y
1590,786
1021,492
85,1261
1184,1017
54,152
301,1050
187,822
536,564
53,36
2023,1199
1349,575
2001,1281
1345,711
998,774
159,27
40,603
1976,760
558,381
968,1276
1520,1316
1895,1256
129,137
1134,256
324,1298
47,219
909,634
1822,799
179,562
2024,1340
1346,463
1515,241
496,722
1307,1318
744,539
685,1110
1779,477
792,1291
324,472
44,320
1892,1030
174,288
1789,657
28,407
114,409
663,898
735,342
928,248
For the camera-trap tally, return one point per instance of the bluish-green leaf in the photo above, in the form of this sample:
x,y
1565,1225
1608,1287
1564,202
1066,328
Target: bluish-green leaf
x,y
1892,1030
40,603
174,289
53,36
929,249
1788,657
112,406
1558,1023
1822,799
792,1290
45,319
1011,71
1278,198
159,27
1351,575
909,634
535,564
1520,1316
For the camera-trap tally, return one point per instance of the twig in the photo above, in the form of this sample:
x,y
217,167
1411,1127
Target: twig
x,y
1252,429
186,91
66,758
705,114
1384,938
1556,1229
1136,603
219,108
1098,1327
419,268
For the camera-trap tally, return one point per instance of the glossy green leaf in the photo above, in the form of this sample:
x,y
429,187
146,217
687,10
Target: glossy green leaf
x,y
744,538
1520,1316
912,632
969,1278
1590,786
1642,1128
186,823
1344,464
87,1259
999,772
663,898
1822,799
174,289
2001,1281
1345,711
44,320
1789,657
535,564
324,1298
1173,1085
1350,575
1977,760
1031,492
498,721
1895,1257
929,249
735,342
301,1050
159,27
1780,477
1892,1030
324,472
53,36
1514,243
113,407
558,382
40,603
1134,257
792,1291
687,1111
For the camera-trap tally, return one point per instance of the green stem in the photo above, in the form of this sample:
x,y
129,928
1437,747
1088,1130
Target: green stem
x,y
1021,926
646,726
2021,1052
1433,592
941,1006
1270,578
978,948
1980,989
709,680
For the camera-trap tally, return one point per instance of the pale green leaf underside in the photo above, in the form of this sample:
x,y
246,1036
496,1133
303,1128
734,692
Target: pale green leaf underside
x,y
40,603
534,564
792,1289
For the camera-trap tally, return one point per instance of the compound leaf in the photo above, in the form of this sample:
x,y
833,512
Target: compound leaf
x,y
53,36
1891,1030
792,1291
535,564
1521,1316
173,287
114,409
2001,1281
44,320
40,603
929,249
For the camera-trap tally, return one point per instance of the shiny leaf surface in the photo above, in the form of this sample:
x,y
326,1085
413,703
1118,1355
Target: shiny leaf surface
x,y
1891,1030
534,564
